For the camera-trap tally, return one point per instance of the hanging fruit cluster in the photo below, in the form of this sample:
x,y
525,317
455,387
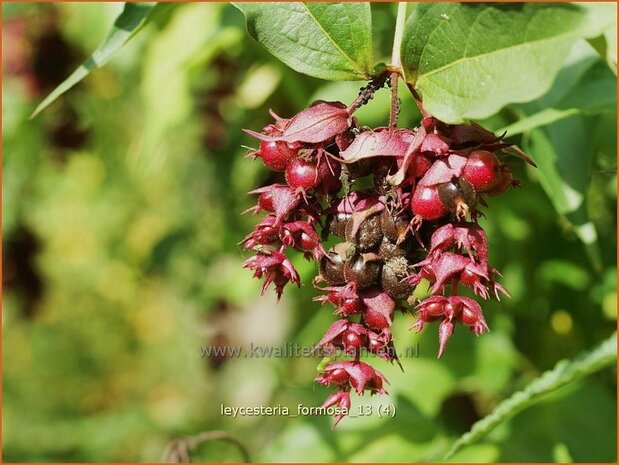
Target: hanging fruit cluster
x,y
404,205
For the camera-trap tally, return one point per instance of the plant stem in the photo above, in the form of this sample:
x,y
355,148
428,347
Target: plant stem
x,y
398,35
454,288
395,66
178,451
395,103
564,372
367,93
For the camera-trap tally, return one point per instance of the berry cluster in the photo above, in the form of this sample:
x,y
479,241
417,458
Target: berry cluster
x,y
403,204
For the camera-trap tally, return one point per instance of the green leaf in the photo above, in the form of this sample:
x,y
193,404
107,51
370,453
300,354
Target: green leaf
x,y
563,148
565,372
610,35
326,40
468,60
599,16
564,158
594,92
601,30
128,23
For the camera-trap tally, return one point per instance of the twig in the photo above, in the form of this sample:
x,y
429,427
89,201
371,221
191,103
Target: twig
x,y
178,450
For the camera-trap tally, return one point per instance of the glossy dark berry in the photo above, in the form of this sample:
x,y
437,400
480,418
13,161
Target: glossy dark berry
x,y
301,174
337,224
394,226
457,196
383,167
361,168
427,204
389,250
276,155
393,274
364,273
481,170
368,235
332,265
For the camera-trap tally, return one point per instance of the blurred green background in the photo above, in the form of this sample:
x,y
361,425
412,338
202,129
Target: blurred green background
x,y
121,216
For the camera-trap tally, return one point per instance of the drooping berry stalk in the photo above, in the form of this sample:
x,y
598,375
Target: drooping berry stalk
x,y
417,221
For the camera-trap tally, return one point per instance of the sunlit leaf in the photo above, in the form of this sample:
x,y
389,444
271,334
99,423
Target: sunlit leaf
x,y
594,92
325,40
467,60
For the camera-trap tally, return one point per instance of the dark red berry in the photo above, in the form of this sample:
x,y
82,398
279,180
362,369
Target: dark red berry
x,y
421,165
506,180
301,174
308,242
435,309
375,345
382,168
350,307
481,170
468,317
451,310
352,340
338,376
375,320
427,204
468,278
329,176
265,200
364,273
368,235
276,155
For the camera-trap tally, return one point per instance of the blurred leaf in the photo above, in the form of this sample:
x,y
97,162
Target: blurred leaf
x,y
599,16
594,92
611,47
606,43
189,41
326,40
427,386
565,372
300,441
480,453
464,64
563,149
258,85
564,156
562,418
562,454
563,272
400,449
126,25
